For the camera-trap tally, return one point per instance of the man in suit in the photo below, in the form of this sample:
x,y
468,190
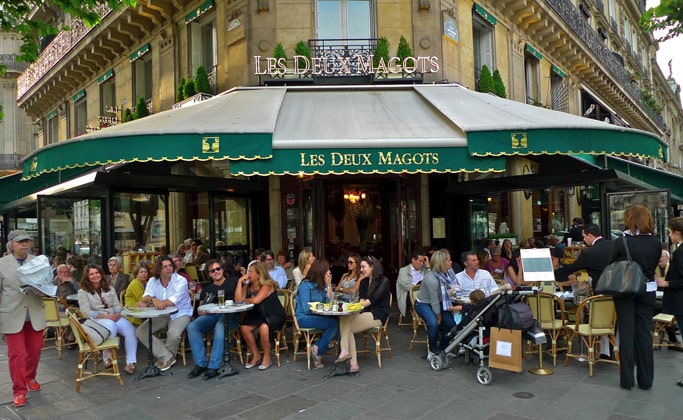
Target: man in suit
x,y
409,276
576,231
593,259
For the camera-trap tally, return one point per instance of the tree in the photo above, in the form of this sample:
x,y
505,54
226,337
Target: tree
x,y
188,88
381,51
279,51
141,110
127,115
201,81
302,49
485,80
180,93
404,49
498,85
667,16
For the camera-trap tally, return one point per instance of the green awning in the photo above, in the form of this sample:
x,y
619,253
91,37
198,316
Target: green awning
x,y
534,52
647,175
139,53
486,15
368,161
79,95
106,76
558,71
13,188
198,11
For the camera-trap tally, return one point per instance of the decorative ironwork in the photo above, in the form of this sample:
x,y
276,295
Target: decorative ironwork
x,y
62,44
11,161
10,61
335,49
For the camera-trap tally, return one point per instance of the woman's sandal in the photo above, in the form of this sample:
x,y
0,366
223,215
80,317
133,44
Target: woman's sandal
x,y
354,369
130,368
344,355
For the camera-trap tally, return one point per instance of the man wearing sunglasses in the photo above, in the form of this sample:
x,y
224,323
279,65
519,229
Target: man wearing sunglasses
x,y
211,322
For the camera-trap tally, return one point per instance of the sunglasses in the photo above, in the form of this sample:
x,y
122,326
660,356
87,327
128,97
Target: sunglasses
x,y
213,270
350,262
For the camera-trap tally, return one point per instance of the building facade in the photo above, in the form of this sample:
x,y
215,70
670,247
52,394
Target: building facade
x,y
587,58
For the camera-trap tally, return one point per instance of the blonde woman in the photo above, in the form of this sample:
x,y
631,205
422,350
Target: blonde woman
x,y
304,263
136,289
267,316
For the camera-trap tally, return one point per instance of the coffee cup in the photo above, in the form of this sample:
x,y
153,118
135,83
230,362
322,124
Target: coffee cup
x,y
229,302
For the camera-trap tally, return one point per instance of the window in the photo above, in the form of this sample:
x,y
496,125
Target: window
x,y
107,95
203,43
345,19
532,82
80,116
482,34
142,78
52,135
558,93
139,221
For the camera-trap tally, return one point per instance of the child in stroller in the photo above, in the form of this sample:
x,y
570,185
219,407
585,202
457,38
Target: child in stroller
x,y
470,311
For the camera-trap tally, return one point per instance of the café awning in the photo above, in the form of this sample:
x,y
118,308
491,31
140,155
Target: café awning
x,y
234,125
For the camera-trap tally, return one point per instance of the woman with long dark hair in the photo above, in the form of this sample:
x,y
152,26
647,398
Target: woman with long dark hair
x,y
349,282
314,288
374,293
634,313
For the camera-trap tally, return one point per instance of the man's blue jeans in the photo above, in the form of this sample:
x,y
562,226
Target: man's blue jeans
x,y
424,310
328,324
202,325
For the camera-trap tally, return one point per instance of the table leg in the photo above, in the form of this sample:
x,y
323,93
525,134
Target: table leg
x,y
227,369
151,370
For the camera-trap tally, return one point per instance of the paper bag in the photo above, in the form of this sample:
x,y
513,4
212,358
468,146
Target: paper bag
x,y
505,351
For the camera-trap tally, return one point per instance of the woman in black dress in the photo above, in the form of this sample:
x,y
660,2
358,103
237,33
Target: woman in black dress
x,y
267,316
634,313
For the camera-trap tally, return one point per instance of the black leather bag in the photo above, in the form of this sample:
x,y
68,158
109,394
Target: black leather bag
x,y
621,278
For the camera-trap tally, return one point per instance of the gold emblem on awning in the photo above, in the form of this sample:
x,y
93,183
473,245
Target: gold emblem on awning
x,y
519,140
661,152
34,164
210,144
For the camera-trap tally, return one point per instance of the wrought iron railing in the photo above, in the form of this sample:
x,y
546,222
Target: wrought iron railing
x,y
568,12
213,80
335,49
10,161
10,61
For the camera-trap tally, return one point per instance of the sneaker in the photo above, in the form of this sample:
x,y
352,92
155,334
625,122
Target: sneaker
x,y
430,356
20,400
33,385
164,366
198,370
210,374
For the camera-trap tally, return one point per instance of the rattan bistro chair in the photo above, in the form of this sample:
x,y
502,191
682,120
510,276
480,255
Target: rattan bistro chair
x,y
309,335
377,333
417,321
89,352
552,321
55,322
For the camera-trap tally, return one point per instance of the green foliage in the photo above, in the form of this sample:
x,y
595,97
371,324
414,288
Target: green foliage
x,y
404,49
667,17
381,51
141,110
485,80
188,88
201,81
279,51
127,115
180,93
651,101
302,49
498,85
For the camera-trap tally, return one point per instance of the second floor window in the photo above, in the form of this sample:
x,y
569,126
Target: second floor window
x,y
52,135
142,77
344,19
80,116
203,43
107,95
482,38
532,76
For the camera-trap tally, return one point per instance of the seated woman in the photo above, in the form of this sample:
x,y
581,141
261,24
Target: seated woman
x,y
313,289
483,257
304,262
349,283
267,316
98,300
514,274
374,295
432,303
497,264
136,289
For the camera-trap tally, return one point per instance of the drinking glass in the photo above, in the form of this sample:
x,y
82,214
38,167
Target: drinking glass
x,y
353,296
221,297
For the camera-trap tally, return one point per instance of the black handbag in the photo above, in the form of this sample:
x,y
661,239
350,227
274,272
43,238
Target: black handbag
x,y
621,278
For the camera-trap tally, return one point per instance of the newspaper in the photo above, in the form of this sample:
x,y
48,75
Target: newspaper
x,y
36,277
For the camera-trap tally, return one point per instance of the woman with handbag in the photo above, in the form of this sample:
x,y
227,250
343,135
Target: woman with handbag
x,y
98,300
634,311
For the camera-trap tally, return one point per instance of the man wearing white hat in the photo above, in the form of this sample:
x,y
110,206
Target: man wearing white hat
x,y
22,318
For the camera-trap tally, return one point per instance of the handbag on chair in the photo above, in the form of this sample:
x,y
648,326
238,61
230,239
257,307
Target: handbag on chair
x,y
621,278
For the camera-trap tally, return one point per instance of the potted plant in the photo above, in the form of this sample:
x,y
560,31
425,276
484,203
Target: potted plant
x,y
141,110
404,51
201,81
498,85
485,80
302,50
381,52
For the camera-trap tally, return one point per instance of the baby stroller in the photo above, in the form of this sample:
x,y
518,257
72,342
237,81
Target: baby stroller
x,y
471,336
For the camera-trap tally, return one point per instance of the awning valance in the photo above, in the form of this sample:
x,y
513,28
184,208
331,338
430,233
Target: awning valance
x,y
14,189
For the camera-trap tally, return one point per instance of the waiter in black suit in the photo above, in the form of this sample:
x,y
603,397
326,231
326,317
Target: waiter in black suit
x,y
593,259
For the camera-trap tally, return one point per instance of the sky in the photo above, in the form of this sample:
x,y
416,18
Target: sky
x,y
669,50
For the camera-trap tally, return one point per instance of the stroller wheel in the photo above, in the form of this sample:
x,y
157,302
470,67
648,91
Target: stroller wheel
x,y
484,375
438,362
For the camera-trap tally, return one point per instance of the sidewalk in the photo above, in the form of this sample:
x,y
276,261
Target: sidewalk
x,y
405,388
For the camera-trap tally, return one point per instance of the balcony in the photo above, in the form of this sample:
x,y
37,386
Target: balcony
x,y
11,161
11,63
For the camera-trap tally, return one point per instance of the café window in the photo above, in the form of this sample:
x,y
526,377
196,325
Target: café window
x,y
532,79
80,116
107,95
344,19
139,221
203,43
142,78
482,34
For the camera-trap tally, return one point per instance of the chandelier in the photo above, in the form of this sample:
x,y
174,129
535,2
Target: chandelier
x,y
354,196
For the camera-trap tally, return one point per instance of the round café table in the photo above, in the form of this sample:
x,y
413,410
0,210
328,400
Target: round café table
x,y
148,313
227,369
334,312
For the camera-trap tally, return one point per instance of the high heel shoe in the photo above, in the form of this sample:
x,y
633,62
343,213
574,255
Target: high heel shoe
x,y
249,365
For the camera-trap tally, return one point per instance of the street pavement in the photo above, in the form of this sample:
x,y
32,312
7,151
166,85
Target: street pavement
x,y
404,388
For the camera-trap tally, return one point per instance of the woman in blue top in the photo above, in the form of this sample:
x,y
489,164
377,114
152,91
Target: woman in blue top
x,y
315,288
